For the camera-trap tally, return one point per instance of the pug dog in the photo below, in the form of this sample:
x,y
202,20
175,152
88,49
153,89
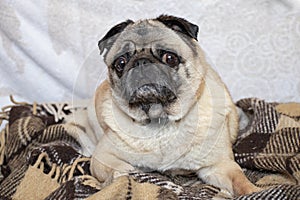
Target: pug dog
x,y
163,107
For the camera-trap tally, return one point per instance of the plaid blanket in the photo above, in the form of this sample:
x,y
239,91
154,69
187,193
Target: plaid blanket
x,y
41,157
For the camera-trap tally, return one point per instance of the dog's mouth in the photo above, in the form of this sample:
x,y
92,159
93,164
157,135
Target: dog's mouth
x,y
152,99
150,90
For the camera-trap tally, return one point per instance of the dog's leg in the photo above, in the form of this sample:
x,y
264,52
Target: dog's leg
x,y
106,167
229,176
241,184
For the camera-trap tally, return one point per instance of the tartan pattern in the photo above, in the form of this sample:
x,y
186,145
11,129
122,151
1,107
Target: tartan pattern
x,y
269,144
268,149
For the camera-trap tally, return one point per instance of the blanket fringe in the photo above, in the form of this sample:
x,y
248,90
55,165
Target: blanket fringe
x,y
54,109
91,181
64,173
68,170
4,114
3,134
57,110
55,170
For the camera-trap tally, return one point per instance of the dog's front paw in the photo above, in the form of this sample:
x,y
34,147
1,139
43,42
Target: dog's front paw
x,y
117,174
228,176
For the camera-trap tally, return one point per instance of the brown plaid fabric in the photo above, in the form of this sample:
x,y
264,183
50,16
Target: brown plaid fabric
x,y
40,158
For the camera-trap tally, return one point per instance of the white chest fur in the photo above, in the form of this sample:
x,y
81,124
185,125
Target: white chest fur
x,y
198,140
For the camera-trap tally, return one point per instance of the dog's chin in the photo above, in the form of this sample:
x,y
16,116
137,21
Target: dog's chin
x,y
153,113
156,111
150,103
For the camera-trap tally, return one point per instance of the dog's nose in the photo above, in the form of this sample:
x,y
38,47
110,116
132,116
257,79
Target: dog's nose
x,y
141,61
152,93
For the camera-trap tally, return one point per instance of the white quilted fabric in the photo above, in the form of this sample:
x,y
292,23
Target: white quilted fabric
x,y
48,49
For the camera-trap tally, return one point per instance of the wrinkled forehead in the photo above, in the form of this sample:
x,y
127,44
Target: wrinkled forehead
x,y
146,34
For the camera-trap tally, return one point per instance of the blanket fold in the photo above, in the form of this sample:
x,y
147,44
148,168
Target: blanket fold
x,y
41,157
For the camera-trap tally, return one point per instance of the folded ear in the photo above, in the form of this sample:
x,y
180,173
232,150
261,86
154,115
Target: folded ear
x,y
107,41
180,25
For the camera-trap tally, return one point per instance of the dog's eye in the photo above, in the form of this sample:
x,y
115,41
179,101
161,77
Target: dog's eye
x,y
170,59
120,63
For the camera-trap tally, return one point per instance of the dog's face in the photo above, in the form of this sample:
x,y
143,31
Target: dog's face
x,y
155,67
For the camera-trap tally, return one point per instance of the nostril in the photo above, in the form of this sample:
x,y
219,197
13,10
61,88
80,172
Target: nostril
x,y
152,93
142,61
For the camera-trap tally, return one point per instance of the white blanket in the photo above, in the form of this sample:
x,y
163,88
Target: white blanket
x,y
48,49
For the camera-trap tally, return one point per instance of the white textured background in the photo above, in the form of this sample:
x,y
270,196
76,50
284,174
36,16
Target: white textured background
x,y
48,49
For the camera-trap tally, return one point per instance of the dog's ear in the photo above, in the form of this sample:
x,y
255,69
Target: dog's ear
x,y
180,25
107,41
